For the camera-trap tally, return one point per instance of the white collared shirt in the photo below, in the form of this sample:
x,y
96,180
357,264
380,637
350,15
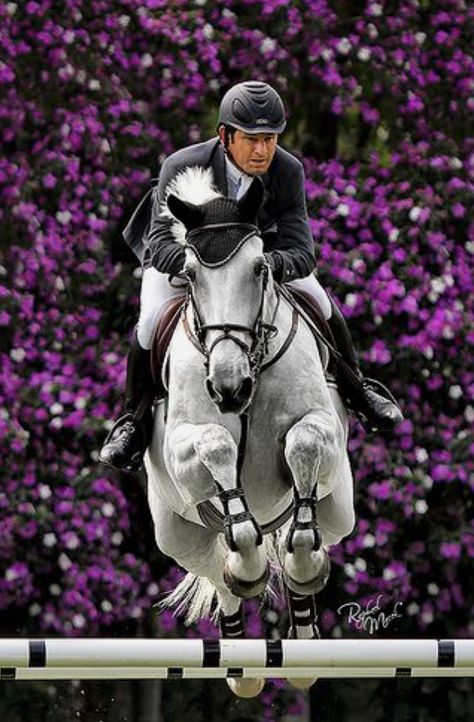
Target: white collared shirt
x,y
236,178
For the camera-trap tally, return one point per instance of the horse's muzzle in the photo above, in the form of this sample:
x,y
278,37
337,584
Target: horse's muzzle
x,y
228,399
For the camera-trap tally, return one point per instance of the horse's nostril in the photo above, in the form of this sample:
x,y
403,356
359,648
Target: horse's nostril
x,y
229,398
245,390
216,397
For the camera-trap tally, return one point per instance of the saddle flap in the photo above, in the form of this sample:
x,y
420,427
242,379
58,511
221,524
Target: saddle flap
x,y
163,334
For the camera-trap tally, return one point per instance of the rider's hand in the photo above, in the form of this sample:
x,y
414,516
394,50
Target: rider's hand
x,y
275,262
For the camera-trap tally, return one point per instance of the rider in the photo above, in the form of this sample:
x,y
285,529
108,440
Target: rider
x,y
251,117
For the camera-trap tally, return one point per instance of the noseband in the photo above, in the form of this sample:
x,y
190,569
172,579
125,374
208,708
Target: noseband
x,y
259,332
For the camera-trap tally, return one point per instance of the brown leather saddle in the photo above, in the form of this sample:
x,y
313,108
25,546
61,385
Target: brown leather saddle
x,y
169,320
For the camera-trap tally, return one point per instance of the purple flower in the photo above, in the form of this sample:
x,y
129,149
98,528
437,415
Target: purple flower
x,y
450,550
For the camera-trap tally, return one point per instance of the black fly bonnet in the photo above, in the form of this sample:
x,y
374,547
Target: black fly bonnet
x,y
222,231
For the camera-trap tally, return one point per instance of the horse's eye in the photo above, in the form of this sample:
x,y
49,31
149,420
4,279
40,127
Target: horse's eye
x,y
259,268
189,274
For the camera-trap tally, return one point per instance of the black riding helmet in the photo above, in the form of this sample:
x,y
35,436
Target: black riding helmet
x,y
253,107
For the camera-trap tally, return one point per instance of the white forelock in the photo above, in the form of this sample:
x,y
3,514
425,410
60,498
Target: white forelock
x,y
195,185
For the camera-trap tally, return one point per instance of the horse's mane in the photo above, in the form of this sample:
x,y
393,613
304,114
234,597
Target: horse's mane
x,y
195,185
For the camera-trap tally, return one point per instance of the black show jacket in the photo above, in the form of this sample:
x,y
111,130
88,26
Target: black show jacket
x,y
282,219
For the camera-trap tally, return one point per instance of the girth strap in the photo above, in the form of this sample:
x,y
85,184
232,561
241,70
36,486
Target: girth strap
x,y
213,519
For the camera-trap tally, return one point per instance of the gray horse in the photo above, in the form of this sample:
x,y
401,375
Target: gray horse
x,y
252,436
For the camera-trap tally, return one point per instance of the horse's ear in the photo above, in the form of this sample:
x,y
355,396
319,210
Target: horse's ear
x,y
250,203
189,214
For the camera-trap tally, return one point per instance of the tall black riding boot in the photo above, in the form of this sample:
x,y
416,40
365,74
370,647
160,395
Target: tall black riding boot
x,y
369,399
129,437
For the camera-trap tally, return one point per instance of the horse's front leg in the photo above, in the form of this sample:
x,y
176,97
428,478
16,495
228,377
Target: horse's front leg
x,y
204,459
311,453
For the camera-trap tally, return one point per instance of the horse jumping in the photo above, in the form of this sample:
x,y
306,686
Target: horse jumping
x,y
247,467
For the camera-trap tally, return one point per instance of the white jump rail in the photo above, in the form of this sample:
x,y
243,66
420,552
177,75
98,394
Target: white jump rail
x,y
55,658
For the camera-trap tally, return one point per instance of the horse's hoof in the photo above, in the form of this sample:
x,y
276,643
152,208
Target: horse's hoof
x,y
311,586
246,688
303,682
246,589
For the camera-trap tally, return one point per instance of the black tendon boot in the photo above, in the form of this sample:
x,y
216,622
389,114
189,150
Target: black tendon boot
x,y
232,626
370,400
129,437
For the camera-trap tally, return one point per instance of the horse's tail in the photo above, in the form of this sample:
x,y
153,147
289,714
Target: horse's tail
x,y
195,597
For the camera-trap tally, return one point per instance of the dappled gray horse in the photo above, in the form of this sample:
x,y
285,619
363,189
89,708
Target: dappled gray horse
x,y
251,432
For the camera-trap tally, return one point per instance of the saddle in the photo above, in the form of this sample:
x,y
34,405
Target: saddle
x,y
162,337
169,320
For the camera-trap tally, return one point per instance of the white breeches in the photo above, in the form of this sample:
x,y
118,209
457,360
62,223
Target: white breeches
x,y
311,285
156,291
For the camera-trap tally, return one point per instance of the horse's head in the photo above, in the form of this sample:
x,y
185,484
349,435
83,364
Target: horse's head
x,y
227,275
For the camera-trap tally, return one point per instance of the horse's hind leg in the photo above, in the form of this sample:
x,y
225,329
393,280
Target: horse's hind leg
x,y
303,615
232,627
303,625
311,453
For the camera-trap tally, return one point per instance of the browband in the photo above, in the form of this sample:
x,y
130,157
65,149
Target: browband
x,y
221,226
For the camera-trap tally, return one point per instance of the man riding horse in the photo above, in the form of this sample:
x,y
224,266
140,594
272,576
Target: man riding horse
x,y
251,117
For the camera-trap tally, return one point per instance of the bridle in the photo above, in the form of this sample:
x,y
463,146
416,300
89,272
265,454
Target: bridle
x,y
260,332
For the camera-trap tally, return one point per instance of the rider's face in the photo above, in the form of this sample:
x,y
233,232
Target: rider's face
x,y
253,152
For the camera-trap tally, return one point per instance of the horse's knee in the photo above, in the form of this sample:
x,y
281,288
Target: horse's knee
x,y
216,447
311,440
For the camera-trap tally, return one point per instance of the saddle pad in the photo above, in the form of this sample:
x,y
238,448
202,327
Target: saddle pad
x,y
162,336
312,308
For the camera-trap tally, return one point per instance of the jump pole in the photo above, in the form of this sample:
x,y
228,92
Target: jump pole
x,y
36,659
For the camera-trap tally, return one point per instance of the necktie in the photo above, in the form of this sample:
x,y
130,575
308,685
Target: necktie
x,y
237,186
